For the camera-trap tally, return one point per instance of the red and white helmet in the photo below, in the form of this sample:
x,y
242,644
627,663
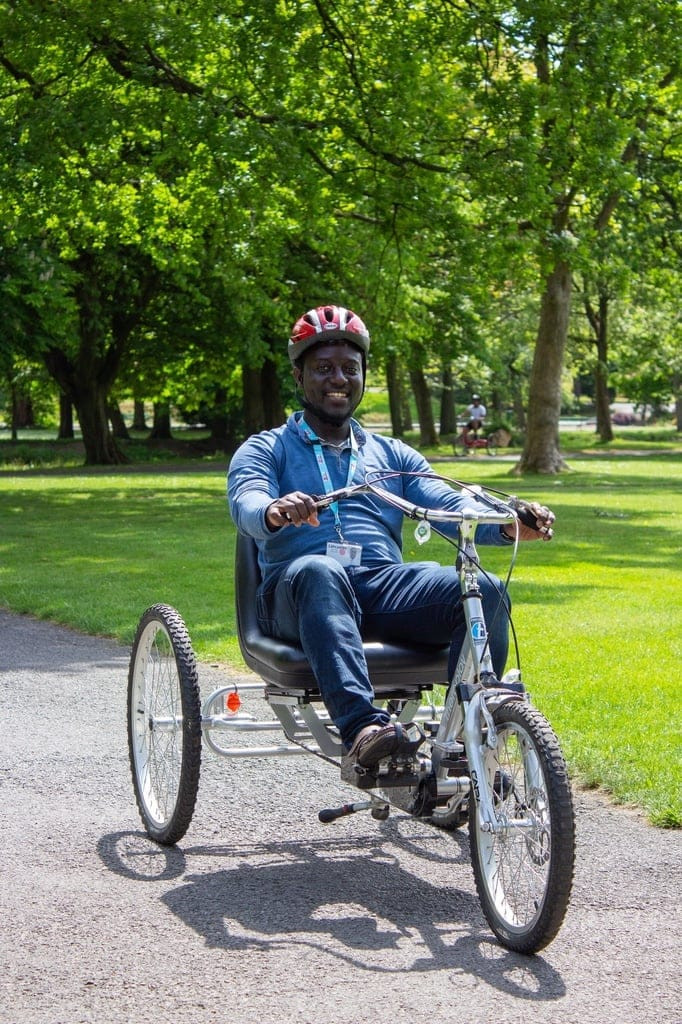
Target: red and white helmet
x,y
327,323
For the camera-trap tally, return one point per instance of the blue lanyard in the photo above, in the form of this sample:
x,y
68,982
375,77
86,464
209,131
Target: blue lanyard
x,y
324,472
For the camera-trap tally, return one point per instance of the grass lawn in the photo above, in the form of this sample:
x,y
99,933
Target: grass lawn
x,y
598,612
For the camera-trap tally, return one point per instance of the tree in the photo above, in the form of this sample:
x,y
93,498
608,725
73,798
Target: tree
x,y
563,99
101,170
649,349
415,160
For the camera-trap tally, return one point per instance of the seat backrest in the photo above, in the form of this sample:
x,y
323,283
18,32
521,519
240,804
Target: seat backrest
x,y
391,666
276,661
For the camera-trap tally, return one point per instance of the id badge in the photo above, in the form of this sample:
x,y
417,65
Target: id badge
x,y
346,554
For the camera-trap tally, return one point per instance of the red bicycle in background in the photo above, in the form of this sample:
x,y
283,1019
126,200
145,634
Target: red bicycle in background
x,y
468,442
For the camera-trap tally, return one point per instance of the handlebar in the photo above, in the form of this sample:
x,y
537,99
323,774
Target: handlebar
x,y
502,508
501,513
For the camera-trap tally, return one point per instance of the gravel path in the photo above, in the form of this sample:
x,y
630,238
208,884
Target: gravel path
x,y
264,916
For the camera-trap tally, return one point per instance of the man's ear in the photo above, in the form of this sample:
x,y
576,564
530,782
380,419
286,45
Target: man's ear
x,y
297,375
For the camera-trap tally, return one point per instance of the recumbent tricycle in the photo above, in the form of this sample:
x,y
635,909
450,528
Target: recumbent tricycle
x,y
487,757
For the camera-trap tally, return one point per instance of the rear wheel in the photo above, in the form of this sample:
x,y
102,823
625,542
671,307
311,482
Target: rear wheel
x,y
524,869
460,447
164,724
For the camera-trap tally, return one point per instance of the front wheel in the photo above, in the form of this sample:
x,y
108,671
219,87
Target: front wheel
x,y
164,724
524,868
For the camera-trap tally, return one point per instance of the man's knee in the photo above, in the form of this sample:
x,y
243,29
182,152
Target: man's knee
x,y
318,578
316,567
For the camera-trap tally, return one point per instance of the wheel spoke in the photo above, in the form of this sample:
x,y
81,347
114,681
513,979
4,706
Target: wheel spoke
x,y
164,753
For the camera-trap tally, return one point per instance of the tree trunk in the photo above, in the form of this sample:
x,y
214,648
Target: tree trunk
x,y
65,432
118,424
395,401
139,419
85,391
598,321
219,421
99,443
677,394
496,406
261,396
273,406
109,308
448,416
601,373
14,417
406,410
22,411
516,382
253,400
422,397
161,428
541,449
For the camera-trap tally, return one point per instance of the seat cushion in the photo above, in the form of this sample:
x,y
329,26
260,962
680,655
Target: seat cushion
x,y
283,664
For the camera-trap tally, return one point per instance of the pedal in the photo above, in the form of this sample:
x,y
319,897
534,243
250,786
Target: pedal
x,y
409,749
395,771
356,775
386,775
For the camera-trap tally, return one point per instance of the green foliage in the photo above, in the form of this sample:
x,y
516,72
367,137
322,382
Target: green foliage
x,y
171,184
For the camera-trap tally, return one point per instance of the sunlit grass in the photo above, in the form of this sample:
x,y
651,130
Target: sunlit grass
x,y
598,612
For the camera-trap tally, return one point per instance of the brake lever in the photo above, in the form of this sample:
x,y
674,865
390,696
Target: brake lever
x,y
323,501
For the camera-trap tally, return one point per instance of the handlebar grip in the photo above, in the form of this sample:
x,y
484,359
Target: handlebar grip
x,y
527,516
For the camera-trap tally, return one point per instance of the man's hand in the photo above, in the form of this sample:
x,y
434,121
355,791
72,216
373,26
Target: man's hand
x,y
535,521
292,510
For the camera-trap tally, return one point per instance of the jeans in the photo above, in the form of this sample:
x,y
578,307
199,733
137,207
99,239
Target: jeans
x,y
329,609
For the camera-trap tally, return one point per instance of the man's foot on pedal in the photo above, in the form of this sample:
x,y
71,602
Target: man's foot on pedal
x,y
372,744
376,743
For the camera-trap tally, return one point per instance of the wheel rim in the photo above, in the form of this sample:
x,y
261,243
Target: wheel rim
x,y
157,724
515,864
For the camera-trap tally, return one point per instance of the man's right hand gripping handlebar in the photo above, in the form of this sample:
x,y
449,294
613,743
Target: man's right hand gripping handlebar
x,y
292,510
297,507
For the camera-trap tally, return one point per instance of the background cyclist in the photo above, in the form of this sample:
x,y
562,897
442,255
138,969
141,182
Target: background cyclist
x,y
476,413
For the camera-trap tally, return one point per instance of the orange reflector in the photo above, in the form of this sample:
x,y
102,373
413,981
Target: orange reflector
x,y
233,702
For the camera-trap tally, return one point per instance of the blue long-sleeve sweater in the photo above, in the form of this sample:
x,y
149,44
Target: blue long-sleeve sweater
x,y
277,462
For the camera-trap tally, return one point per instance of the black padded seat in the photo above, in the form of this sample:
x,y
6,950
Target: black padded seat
x,y
396,670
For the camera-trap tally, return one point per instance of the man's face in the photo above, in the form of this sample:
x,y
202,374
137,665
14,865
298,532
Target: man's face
x,y
331,380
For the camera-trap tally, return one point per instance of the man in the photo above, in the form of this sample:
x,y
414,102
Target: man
x,y
476,413
329,579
